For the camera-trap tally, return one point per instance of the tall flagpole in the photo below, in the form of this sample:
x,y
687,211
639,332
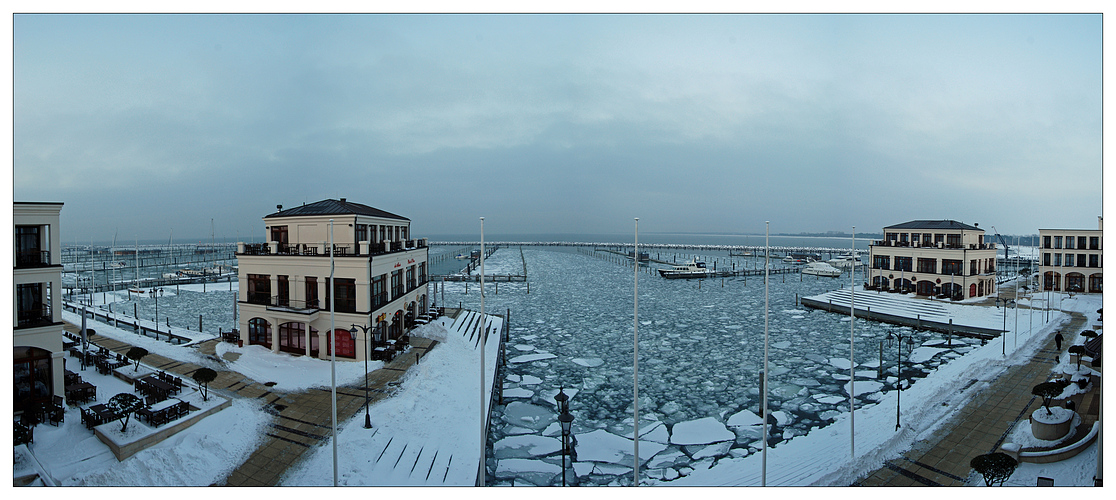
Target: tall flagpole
x,y
332,353
1015,334
484,331
852,342
635,359
766,287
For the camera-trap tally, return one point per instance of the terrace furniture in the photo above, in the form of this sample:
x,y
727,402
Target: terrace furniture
x,y
23,434
56,414
81,392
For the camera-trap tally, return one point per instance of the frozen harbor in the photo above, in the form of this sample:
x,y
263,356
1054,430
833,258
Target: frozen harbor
x,y
701,351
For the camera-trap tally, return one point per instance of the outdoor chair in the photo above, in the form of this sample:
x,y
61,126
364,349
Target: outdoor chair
x,y
23,434
151,400
56,415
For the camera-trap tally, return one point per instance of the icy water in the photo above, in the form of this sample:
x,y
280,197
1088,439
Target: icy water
x,y
700,355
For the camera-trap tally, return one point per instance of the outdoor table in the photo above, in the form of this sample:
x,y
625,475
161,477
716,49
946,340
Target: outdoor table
x,y
161,412
162,389
103,413
79,392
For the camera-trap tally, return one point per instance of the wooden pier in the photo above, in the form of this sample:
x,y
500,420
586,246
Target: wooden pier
x,y
488,278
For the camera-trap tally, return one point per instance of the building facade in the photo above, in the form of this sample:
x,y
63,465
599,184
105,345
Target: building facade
x,y
37,332
1072,259
938,258
379,280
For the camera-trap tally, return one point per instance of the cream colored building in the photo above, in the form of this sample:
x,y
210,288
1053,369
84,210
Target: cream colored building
x,y
37,283
1072,259
942,258
380,274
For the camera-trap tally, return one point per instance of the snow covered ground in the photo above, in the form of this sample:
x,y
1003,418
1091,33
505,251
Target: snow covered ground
x,y
685,437
427,433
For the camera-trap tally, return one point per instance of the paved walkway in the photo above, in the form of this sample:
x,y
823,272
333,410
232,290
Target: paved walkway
x,y
301,420
982,426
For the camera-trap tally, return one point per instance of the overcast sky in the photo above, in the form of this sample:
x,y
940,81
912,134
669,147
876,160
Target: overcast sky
x,y
147,124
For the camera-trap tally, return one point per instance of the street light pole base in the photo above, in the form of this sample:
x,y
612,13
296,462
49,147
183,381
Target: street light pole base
x,y
367,421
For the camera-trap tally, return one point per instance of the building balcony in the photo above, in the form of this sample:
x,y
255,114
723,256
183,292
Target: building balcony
x,y
321,250
34,317
33,258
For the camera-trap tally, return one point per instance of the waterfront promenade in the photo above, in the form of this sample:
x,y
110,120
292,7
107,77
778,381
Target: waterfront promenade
x,y
983,424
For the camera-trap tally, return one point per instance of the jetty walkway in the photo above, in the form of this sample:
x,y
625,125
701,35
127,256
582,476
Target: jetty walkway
x,y
915,312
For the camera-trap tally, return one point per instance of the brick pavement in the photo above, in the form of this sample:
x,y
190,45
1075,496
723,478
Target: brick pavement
x,y
979,428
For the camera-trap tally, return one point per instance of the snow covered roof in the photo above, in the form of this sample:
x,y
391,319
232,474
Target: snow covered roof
x,y
934,224
335,207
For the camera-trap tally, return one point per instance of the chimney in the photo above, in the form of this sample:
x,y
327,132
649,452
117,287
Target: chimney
x,y
342,200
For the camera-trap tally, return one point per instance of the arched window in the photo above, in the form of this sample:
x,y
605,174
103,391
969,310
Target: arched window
x,y
259,332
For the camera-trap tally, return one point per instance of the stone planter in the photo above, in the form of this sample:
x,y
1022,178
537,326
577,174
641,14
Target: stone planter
x,y
1052,426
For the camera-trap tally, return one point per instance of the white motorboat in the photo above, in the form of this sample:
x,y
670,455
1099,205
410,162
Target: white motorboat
x,y
689,270
844,261
821,269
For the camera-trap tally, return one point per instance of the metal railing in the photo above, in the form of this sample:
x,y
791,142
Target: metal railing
x,y
33,258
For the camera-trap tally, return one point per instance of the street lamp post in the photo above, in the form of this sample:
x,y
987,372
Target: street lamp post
x,y
353,332
566,421
1006,303
899,367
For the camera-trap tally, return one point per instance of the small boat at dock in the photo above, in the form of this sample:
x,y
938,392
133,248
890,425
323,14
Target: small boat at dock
x,y
689,270
821,269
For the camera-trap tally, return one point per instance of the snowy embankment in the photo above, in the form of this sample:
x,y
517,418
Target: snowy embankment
x,y
183,353
428,431
824,456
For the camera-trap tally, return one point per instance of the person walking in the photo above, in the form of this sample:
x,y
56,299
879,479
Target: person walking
x,y
1058,340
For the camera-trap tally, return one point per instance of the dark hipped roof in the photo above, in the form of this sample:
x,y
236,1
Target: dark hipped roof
x,y
335,207
934,224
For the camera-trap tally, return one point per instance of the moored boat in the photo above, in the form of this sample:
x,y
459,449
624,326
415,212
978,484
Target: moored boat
x,y
821,269
689,270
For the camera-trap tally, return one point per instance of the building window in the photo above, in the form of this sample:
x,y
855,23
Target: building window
x,y
292,337
410,278
1057,242
1094,260
928,266
1057,259
881,262
312,292
938,239
952,266
361,232
402,232
284,293
422,273
279,235
1094,243
259,332
1046,258
32,305
990,267
1069,242
953,240
396,284
379,291
1080,260
903,264
973,267
29,250
383,233
344,290
1045,242
1080,242
32,377
259,289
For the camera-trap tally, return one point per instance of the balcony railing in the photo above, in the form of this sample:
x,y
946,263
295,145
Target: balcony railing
x,y
339,250
33,258
35,316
